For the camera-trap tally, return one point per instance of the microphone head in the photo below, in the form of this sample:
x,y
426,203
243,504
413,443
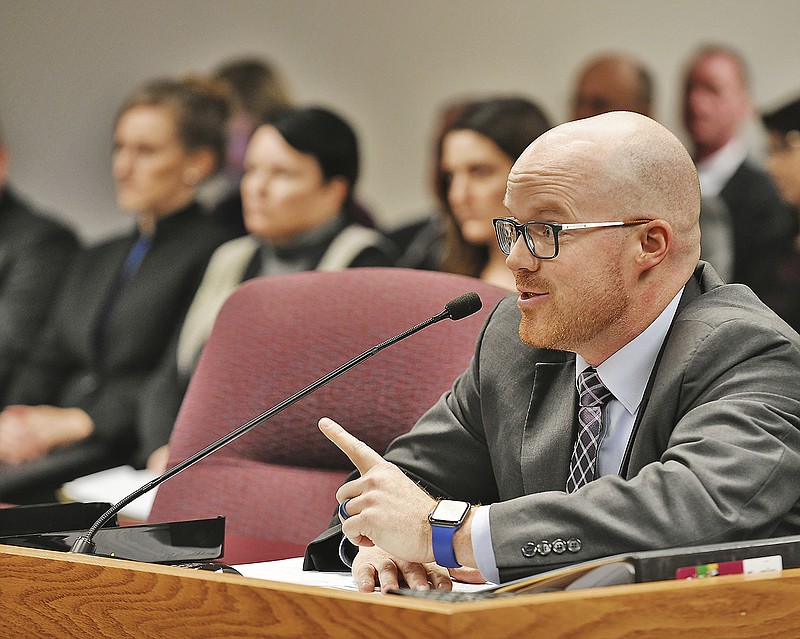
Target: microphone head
x,y
463,305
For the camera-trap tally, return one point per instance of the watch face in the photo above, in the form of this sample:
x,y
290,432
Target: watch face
x,y
449,512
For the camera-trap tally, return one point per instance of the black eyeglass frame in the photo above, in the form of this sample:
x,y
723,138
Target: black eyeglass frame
x,y
522,229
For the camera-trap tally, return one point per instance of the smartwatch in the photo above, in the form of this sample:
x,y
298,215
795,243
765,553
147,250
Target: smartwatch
x,y
445,519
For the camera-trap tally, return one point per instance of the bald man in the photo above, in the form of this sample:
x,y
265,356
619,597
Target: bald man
x,y
625,400
612,82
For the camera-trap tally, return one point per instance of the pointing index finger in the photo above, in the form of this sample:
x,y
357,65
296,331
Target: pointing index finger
x,y
362,456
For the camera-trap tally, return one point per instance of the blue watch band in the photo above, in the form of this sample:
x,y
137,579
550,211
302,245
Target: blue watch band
x,y
443,545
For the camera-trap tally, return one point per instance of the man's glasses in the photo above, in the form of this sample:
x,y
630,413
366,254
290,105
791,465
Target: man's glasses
x,y
542,237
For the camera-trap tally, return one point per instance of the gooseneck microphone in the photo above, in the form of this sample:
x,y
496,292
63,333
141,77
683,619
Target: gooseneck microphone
x,y
456,309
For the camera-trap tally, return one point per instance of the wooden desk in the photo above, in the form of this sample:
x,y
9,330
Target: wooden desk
x,y
46,594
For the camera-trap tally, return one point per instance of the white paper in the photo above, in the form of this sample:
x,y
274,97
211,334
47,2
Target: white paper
x,y
291,571
111,486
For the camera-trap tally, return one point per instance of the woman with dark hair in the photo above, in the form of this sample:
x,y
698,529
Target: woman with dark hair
x,y
326,139
476,154
419,243
783,128
124,299
301,169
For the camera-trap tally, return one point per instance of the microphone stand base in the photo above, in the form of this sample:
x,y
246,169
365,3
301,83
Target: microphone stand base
x,y
83,546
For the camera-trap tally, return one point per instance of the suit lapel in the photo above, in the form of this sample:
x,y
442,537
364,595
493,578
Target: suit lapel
x,y
704,278
549,427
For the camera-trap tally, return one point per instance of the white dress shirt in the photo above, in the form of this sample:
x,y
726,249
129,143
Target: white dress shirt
x,y
717,170
625,374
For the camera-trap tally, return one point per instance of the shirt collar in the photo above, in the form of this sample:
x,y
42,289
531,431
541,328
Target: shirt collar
x,y
715,171
301,253
627,371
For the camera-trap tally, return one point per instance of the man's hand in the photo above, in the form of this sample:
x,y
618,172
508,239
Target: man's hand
x,y
157,461
30,432
466,575
385,507
20,440
373,567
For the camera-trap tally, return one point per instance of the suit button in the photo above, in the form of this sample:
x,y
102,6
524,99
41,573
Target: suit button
x,y
559,546
529,550
86,384
543,547
574,545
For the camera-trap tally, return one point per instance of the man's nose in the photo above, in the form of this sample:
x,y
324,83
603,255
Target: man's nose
x,y
521,257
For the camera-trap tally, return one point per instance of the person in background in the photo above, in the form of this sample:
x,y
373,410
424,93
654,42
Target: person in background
x,y
123,299
477,152
783,128
716,106
716,242
35,253
301,171
257,91
419,244
626,400
612,82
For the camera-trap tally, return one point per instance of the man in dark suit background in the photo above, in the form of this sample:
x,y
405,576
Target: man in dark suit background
x,y
626,400
716,106
35,252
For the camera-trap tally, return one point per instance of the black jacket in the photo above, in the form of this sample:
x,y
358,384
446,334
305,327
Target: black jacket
x,y
101,365
35,253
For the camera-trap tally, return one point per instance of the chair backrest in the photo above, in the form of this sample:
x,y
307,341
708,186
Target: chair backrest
x,y
273,337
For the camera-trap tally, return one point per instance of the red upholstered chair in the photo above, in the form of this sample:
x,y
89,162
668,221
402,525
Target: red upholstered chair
x,y
274,336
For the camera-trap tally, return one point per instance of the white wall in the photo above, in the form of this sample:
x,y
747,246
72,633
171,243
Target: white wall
x,y
387,66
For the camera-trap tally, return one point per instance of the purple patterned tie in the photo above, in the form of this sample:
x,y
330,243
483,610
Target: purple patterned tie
x,y
593,396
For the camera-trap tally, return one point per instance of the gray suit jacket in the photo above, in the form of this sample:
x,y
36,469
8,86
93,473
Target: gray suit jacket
x,y
714,455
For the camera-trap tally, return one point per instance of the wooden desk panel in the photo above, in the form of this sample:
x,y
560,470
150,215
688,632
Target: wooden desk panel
x,y
46,594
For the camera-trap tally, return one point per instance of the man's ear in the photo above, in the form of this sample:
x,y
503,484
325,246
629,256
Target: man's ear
x,y
655,239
